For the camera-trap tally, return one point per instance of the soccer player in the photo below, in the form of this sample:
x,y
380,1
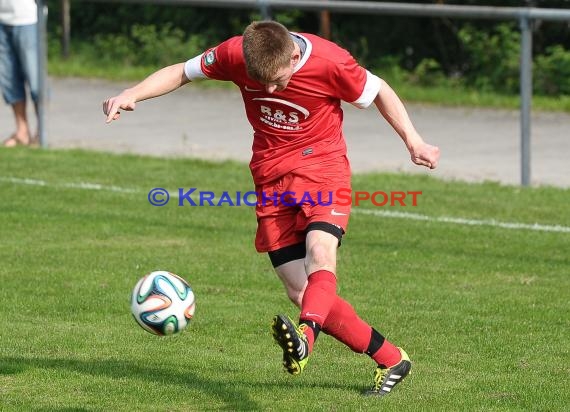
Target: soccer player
x,y
292,86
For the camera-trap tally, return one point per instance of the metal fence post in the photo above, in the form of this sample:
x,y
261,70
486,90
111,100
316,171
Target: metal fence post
x,y
65,28
526,96
264,9
42,72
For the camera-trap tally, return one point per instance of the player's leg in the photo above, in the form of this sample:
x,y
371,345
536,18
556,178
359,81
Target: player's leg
x,y
340,319
321,240
313,293
289,265
294,280
290,268
320,266
324,220
323,309
342,323
277,234
393,364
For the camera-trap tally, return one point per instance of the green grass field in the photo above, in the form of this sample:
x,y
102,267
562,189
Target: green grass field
x,y
483,310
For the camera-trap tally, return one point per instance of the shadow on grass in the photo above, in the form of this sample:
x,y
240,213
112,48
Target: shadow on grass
x,y
220,389
234,400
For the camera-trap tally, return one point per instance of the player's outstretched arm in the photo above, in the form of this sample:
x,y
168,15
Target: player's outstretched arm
x,y
160,82
393,110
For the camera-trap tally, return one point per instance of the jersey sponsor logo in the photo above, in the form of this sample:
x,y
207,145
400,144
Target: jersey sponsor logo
x,y
210,57
281,118
304,111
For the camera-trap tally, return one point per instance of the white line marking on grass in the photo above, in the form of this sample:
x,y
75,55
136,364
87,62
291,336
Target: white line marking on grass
x,y
381,213
80,185
95,186
463,221
16,180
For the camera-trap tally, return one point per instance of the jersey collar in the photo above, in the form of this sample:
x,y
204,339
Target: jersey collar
x,y
306,55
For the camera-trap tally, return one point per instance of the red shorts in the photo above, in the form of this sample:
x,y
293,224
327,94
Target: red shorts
x,y
286,206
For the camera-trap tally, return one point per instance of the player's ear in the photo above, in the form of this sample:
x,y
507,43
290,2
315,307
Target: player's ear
x,y
295,57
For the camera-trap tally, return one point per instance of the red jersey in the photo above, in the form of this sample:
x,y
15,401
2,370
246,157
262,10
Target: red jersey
x,y
302,124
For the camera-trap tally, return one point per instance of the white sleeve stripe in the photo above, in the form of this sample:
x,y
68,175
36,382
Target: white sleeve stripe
x,y
193,68
371,90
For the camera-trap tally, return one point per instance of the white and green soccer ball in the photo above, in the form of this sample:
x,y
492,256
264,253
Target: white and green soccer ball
x,y
163,303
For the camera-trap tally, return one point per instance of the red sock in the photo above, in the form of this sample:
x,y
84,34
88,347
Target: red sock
x,y
318,299
311,331
346,326
387,355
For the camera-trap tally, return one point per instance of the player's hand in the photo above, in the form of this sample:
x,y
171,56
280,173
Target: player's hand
x,y
112,106
425,155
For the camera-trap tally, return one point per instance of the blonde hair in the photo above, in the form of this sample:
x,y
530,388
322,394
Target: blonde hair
x,y
267,48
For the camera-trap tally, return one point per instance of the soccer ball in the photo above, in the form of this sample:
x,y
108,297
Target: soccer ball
x,y
162,303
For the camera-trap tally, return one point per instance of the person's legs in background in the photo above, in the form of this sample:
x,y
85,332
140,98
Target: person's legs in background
x,y
18,68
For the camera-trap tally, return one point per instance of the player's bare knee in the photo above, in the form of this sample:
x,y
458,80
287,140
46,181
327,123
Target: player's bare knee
x,y
322,241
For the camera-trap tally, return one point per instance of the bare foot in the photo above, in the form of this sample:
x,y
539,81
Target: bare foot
x,y
16,140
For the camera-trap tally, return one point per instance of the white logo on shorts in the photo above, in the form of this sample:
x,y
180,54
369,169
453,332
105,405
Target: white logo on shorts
x,y
335,213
